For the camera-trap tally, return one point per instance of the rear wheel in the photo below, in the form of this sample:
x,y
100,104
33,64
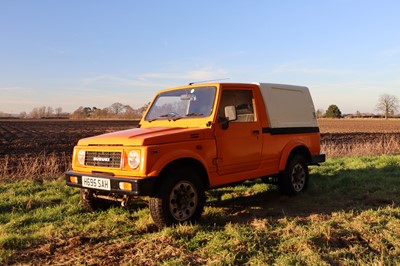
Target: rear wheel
x,y
180,198
295,177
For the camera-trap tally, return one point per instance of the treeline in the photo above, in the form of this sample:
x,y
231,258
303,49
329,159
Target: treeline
x,y
42,112
114,111
45,112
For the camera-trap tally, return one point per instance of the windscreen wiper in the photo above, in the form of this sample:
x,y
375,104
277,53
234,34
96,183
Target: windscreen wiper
x,y
172,116
194,114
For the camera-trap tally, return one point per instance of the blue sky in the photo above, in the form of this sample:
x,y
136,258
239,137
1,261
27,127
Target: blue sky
x,y
94,53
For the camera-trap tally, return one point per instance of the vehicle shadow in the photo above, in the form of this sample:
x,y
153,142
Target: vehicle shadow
x,y
344,190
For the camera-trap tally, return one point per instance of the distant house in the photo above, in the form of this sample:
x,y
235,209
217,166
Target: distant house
x,y
363,115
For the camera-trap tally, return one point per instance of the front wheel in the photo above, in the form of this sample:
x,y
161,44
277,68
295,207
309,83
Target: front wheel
x,y
295,177
180,198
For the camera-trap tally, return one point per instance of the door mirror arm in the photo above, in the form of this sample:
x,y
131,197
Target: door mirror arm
x,y
224,122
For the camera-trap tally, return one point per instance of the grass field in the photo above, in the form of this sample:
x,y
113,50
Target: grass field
x,y
350,215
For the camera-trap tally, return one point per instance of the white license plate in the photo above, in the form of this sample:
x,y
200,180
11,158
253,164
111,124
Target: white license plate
x,y
97,183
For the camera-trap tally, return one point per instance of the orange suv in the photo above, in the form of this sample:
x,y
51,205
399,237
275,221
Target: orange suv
x,y
197,137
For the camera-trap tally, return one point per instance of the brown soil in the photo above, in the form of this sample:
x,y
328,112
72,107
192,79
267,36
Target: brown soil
x,y
19,137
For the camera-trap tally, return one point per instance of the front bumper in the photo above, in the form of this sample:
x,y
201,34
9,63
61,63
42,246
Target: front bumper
x,y
140,187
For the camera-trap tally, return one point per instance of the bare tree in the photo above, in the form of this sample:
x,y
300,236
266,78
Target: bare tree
x,y
388,104
49,111
23,115
78,113
117,108
320,113
143,109
42,111
129,112
58,111
34,113
38,112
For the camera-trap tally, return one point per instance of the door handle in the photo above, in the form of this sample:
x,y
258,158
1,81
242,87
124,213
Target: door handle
x,y
256,132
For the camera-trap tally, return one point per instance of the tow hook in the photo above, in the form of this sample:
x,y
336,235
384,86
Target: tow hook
x,y
124,201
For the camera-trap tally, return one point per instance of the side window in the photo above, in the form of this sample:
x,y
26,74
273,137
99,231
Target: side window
x,y
243,102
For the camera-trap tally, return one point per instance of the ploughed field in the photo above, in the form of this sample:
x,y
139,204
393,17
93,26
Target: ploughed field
x,y
339,137
20,137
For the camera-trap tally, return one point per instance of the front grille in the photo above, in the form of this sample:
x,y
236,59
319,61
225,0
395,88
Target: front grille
x,y
103,159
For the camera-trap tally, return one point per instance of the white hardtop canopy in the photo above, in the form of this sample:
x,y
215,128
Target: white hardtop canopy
x,y
288,106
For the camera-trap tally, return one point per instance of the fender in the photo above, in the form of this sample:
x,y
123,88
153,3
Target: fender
x,y
174,155
287,150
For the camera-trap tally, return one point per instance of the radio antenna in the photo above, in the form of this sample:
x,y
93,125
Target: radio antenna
x,y
204,81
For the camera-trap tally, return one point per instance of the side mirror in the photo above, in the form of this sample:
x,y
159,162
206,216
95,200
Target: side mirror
x,y
230,113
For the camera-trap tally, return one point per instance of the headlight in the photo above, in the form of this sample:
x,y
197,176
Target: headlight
x,y
133,159
81,157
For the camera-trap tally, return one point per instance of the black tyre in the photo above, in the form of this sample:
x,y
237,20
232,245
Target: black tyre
x,y
295,177
180,198
92,203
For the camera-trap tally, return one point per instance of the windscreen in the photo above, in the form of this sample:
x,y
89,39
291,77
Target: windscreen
x,y
193,102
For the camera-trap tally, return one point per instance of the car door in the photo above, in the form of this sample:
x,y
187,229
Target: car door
x,y
239,146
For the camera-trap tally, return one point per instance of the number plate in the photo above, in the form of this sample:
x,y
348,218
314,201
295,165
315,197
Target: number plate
x,y
97,183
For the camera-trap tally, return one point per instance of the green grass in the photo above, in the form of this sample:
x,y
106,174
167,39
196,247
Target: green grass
x,y
350,215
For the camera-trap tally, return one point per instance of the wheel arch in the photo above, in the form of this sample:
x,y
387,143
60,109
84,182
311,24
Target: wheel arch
x,y
293,150
187,163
